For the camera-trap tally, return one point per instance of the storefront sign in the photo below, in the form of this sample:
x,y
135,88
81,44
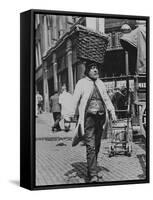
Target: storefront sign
x,y
109,85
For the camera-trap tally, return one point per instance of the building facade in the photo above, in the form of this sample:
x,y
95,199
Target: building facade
x,y
56,59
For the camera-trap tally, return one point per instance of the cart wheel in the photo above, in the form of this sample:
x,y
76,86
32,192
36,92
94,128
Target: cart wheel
x,y
111,151
111,154
124,146
128,152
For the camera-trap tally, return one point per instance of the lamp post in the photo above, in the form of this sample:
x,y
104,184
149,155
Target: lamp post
x,y
126,29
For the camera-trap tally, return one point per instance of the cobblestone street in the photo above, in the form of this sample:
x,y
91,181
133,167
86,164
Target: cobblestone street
x,y
57,162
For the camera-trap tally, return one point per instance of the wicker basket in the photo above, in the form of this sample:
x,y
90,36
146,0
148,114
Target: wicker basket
x,y
90,45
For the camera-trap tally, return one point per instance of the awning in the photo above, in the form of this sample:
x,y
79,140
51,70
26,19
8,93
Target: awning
x,y
136,39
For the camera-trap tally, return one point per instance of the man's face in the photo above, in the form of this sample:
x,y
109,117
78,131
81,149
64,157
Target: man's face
x,y
93,72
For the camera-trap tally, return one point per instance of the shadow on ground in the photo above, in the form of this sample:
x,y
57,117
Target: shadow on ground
x,y
79,173
15,182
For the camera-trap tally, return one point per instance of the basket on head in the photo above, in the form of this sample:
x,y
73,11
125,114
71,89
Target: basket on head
x,y
90,45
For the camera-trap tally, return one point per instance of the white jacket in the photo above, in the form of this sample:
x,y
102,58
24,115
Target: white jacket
x,y
82,93
66,101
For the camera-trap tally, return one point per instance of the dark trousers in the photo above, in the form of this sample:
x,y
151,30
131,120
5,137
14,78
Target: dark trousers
x,y
57,118
92,139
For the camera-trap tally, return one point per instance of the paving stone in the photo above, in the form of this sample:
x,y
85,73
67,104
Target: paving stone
x,y
57,162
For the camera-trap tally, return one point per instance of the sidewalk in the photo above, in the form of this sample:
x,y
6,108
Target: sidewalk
x,y
44,124
57,162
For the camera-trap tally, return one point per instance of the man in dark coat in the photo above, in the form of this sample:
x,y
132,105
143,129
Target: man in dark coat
x,y
56,110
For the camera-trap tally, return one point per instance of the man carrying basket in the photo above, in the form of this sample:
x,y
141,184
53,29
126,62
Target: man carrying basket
x,y
93,102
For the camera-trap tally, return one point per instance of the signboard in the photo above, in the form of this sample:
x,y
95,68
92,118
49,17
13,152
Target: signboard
x,y
109,85
142,82
142,88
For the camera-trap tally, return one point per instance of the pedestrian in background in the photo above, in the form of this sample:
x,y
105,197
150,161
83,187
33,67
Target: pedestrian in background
x,y
39,102
66,101
36,104
56,110
91,97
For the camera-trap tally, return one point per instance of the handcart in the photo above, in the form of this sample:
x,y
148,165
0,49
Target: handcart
x,y
120,136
